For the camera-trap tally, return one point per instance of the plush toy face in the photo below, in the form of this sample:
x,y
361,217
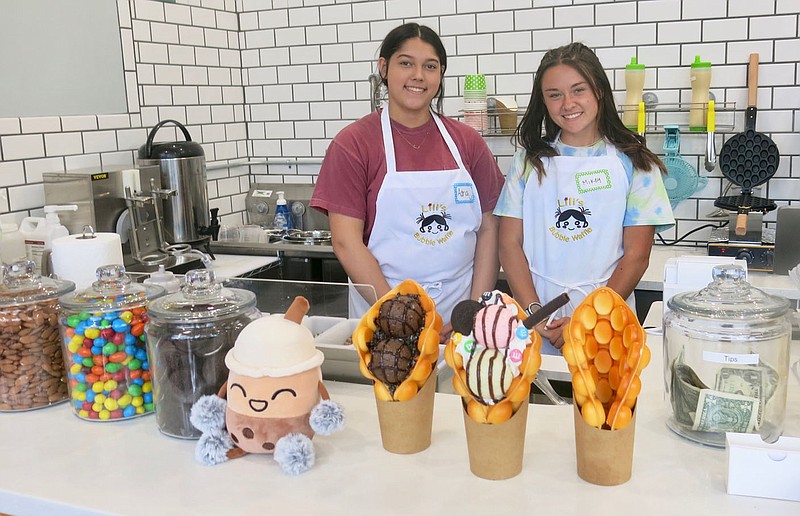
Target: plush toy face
x,y
274,397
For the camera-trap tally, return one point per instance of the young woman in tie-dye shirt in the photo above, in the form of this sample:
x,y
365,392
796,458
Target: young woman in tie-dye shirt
x,y
580,204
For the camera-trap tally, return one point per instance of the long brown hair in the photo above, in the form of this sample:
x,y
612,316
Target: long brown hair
x,y
537,121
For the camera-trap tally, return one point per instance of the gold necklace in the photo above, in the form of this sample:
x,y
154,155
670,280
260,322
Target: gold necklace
x,y
416,147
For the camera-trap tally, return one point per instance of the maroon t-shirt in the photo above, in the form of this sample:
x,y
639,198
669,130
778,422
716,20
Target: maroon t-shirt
x,y
355,164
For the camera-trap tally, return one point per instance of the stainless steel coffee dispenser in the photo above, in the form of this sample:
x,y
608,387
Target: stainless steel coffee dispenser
x,y
183,170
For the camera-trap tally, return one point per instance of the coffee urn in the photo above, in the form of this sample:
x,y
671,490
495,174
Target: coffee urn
x,y
183,174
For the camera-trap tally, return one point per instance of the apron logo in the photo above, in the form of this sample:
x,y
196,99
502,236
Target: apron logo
x,y
571,217
433,227
463,193
593,180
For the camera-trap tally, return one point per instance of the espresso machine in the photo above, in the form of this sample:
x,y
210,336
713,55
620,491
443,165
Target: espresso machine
x,y
124,200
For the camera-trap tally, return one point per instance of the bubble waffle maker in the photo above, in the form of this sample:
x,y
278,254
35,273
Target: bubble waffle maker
x,y
748,159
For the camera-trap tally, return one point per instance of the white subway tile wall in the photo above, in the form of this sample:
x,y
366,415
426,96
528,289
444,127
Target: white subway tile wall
x,y
259,79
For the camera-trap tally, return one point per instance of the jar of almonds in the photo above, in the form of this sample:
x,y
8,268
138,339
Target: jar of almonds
x,y
31,364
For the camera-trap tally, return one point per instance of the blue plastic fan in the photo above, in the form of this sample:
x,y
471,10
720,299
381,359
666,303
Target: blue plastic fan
x,y
682,180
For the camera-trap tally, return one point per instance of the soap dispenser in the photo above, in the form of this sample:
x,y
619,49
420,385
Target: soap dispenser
x,y
283,218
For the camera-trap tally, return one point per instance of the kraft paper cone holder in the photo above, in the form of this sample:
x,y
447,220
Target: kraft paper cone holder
x,y
406,425
496,451
605,457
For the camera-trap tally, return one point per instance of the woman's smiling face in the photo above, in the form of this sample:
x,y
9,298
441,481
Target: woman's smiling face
x,y
571,104
413,75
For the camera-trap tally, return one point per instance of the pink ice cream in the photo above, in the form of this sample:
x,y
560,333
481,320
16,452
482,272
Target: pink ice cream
x,y
495,326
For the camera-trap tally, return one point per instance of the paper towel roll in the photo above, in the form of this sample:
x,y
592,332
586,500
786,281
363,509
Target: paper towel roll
x,y
76,258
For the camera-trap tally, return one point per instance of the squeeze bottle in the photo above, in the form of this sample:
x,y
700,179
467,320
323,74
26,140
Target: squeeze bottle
x,y
634,86
283,219
39,232
700,77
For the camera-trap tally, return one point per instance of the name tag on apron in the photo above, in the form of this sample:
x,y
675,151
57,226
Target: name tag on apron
x,y
592,180
464,193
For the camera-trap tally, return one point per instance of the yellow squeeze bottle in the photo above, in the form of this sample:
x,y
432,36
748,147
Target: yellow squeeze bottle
x,y
634,87
700,77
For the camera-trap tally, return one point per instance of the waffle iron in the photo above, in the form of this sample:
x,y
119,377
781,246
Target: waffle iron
x,y
748,159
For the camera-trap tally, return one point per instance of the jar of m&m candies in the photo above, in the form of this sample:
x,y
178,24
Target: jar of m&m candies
x,y
31,365
189,334
105,346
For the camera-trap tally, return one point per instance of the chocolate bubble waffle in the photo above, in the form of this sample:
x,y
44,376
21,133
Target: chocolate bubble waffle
x,y
397,342
604,346
494,356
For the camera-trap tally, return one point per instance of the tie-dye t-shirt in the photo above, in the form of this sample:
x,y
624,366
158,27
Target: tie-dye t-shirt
x,y
647,203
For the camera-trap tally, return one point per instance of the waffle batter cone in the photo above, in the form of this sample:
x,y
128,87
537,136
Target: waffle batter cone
x,y
604,346
405,405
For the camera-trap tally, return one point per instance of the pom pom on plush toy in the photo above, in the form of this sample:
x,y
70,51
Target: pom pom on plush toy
x,y
208,413
213,447
327,417
295,454
208,416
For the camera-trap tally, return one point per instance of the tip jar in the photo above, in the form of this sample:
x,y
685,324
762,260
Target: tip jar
x,y
189,334
105,346
726,360
31,366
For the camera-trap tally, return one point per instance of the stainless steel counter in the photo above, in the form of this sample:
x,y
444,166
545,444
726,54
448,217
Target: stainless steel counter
x,y
271,249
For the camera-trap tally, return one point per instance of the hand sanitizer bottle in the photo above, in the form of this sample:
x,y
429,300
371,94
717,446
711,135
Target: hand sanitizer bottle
x,y
283,218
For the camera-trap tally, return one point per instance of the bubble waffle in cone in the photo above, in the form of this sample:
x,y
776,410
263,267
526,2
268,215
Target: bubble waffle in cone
x,y
604,346
397,342
494,356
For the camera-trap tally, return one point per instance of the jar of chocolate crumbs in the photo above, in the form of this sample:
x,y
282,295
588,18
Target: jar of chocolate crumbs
x,y
190,332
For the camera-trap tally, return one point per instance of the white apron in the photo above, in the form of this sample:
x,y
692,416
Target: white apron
x,y
572,226
425,228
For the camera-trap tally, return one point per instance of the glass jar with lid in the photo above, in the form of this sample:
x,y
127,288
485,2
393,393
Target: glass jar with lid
x,y
726,360
190,332
105,346
31,366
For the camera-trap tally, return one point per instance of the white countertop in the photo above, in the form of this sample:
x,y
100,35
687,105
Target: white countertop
x,y
653,278
232,265
54,463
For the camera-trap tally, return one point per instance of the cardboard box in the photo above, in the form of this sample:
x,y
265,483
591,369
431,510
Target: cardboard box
x,y
765,470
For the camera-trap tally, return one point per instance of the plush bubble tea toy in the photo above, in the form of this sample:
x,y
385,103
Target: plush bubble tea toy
x,y
276,400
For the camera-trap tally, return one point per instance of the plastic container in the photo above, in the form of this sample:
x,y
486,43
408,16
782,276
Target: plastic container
x,y
165,279
283,218
700,76
634,89
189,333
105,346
726,360
31,366
39,233
12,244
